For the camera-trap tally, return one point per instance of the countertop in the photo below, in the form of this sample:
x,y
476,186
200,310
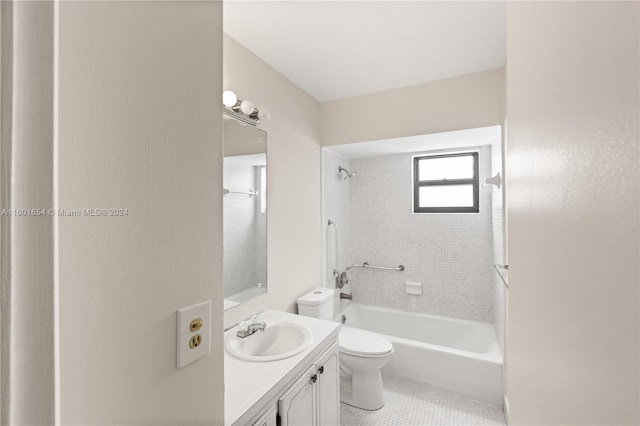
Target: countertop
x,y
250,385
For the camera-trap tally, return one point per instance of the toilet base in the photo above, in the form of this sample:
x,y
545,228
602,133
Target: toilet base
x,y
351,405
362,389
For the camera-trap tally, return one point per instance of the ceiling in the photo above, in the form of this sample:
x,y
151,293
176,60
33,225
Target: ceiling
x,y
339,49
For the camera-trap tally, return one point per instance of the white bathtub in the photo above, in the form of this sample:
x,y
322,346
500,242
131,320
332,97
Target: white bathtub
x,y
458,356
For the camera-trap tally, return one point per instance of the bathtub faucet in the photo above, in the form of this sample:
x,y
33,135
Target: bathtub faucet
x,y
346,296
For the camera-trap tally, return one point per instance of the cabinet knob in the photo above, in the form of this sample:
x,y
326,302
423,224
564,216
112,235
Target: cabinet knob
x,y
321,369
313,379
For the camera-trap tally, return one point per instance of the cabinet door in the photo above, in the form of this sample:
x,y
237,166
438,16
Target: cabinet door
x,y
328,368
298,406
268,418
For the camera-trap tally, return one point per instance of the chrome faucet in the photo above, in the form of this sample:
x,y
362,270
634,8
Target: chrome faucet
x,y
247,328
346,296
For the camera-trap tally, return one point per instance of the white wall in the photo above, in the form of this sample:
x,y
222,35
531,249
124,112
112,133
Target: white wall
x,y
27,287
573,189
140,127
449,253
6,81
294,241
464,102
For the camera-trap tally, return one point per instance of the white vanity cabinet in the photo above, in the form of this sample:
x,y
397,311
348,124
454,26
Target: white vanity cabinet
x,y
299,390
314,397
270,418
298,406
329,388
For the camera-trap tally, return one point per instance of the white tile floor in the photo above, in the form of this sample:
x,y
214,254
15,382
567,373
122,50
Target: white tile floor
x,y
411,405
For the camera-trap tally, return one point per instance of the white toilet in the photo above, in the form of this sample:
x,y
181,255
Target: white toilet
x,y
362,354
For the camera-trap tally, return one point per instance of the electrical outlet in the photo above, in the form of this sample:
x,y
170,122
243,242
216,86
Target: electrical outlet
x,y
195,341
194,333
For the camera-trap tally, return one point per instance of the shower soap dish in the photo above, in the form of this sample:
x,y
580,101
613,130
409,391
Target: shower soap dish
x,y
412,287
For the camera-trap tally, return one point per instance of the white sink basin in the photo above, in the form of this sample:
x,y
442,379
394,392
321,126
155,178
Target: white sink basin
x,y
277,341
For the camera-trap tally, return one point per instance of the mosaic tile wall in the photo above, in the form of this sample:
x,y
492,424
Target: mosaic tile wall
x,y
451,254
335,206
244,230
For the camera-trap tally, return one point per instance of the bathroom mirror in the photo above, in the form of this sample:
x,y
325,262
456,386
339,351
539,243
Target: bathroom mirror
x,y
244,212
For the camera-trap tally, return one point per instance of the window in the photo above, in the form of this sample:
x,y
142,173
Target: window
x,y
445,183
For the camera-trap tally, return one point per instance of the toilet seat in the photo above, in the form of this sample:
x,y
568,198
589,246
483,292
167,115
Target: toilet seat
x,y
354,341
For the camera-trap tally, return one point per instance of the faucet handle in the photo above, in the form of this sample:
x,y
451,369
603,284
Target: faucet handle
x,y
243,326
253,320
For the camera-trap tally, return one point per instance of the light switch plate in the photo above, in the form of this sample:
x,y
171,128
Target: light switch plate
x,y
186,353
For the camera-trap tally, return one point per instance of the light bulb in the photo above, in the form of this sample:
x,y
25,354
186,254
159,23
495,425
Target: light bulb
x,y
229,98
247,107
264,114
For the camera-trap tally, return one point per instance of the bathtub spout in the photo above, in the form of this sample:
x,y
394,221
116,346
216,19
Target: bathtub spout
x,y
346,296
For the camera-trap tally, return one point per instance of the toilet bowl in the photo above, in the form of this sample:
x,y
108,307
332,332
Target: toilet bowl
x,y
362,354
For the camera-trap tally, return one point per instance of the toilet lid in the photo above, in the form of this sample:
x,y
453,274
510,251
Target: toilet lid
x,y
359,342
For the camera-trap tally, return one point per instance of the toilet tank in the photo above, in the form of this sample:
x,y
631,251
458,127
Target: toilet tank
x,y
317,303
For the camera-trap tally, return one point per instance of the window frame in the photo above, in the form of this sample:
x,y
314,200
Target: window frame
x,y
417,184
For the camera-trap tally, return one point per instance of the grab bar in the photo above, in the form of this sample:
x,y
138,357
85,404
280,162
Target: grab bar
x,y
386,268
337,242
251,192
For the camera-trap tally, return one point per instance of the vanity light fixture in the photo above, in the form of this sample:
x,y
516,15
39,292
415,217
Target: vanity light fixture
x,y
244,111
247,107
229,98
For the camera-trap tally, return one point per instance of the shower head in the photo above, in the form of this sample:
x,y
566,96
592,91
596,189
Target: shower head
x,y
349,175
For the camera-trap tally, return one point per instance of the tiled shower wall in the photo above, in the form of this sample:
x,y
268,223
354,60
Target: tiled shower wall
x,y
451,254
261,228
335,206
244,230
